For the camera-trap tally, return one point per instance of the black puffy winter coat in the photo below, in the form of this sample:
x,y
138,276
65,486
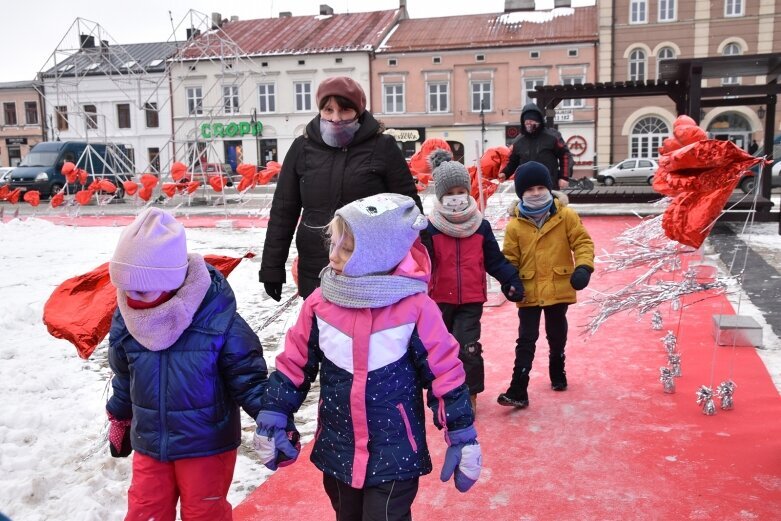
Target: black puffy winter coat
x,y
320,179
545,146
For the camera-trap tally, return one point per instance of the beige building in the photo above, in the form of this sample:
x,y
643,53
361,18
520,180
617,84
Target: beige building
x,y
21,124
465,78
635,35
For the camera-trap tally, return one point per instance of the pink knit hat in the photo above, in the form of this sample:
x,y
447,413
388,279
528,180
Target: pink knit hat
x,y
151,254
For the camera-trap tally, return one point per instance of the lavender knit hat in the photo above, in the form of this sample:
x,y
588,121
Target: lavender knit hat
x,y
151,254
384,227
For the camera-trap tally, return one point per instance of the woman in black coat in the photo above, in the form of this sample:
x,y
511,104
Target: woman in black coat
x,y
342,156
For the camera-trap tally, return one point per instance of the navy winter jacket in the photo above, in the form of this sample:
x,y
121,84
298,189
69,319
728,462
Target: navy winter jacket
x,y
184,400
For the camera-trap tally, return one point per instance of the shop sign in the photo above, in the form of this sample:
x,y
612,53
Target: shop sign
x,y
16,141
577,145
563,116
231,129
404,134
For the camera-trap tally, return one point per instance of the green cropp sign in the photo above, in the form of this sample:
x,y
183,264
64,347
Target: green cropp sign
x,y
232,129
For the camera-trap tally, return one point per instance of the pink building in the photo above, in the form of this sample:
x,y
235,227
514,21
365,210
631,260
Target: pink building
x,y
465,78
21,123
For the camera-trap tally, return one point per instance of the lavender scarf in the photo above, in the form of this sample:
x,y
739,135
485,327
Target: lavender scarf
x,y
456,224
159,327
369,291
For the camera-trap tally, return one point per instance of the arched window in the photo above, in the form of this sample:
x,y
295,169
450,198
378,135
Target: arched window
x,y
637,65
647,136
731,49
665,53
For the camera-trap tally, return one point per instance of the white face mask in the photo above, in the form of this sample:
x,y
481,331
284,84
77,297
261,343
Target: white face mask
x,y
455,203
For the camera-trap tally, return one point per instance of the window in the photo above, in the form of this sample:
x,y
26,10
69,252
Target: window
x,y
392,62
230,99
62,117
731,49
647,136
479,57
529,84
123,115
31,112
130,153
394,98
153,155
666,10
264,64
152,116
438,97
302,62
194,100
90,116
436,60
665,53
572,103
638,12
572,53
481,95
733,7
534,55
338,60
637,65
9,113
303,91
155,63
267,98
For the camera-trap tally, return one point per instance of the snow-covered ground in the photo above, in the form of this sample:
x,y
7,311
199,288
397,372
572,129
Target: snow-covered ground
x,y
54,458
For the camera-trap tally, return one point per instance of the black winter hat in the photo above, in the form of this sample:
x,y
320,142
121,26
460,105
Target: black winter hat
x,y
531,174
532,115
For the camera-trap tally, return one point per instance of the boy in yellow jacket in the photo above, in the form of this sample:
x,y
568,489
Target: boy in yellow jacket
x,y
554,254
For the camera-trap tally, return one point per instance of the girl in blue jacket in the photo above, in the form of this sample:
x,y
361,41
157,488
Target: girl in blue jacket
x,y
183,362
377,341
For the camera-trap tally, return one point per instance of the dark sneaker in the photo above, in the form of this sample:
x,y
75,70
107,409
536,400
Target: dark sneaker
x,y
559,386
512,402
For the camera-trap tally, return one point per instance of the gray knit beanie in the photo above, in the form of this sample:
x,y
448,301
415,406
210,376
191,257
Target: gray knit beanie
x,y
447,173
384,227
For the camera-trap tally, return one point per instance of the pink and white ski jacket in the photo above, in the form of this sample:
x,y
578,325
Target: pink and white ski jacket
x,y
373,365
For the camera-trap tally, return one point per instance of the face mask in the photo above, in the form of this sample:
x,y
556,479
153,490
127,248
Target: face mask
x,y
531,126
537,201
455,203
338,133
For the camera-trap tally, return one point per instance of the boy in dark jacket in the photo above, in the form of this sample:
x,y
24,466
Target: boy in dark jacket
x,y
463,248
183,362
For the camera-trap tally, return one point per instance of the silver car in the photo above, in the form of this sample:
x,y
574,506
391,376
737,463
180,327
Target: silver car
x,y
629,171
5,175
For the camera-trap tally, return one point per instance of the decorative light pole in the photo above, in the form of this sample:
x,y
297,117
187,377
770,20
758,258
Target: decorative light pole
x,y
482,126
254,121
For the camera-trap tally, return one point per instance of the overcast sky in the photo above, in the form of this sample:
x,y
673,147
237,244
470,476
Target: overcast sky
x,y
32,31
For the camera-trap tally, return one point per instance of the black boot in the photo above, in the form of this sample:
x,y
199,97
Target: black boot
x,y
558,376
516,395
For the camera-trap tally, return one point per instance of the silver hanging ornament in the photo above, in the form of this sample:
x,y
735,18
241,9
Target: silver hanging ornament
x,y
666,377
676,304
705,398
674,359
670,342
725,392
656,321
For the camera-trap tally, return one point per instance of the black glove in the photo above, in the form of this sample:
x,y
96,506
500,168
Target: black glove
x,y
580,277
513,289
273,290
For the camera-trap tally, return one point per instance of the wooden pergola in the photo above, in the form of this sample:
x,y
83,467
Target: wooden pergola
x,y
681,81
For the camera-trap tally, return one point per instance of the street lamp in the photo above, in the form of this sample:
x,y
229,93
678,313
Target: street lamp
x,y
482,126
761,112
254,121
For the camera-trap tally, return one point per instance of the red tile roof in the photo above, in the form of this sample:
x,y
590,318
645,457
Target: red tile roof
x,y
562,25
297,35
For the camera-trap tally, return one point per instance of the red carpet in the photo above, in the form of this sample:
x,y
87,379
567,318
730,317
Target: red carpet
x,y
613,446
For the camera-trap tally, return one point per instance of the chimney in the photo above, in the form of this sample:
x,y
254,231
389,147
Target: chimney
x,y
285,14
326,9
192,32
104,47
403,8
86,41
216,20
234,18
518,5
562,3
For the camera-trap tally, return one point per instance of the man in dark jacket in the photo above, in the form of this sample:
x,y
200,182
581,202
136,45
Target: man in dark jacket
x,y
342,156
541,144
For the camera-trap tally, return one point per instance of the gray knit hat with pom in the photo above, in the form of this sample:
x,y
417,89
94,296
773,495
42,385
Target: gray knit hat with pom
x,y
447,173
384,227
